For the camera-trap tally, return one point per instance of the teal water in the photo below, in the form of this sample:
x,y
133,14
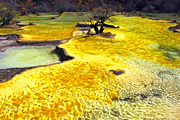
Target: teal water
x,y
28,56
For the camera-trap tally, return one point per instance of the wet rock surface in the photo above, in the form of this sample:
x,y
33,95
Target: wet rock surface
x,y
7,41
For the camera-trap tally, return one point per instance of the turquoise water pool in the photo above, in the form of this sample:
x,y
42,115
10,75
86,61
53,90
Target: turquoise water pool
x,y
28,56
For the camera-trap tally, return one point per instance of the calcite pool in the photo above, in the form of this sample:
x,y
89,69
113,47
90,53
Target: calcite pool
x,y
28,56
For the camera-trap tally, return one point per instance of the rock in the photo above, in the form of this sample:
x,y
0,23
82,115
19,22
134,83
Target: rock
x,y
62,53
175,28
53,18
111,26
14,36
117,72
89,25
107,35
178,26
22,25
174,21
19,29
83,25
17,22
172,29
79,33
3,38
31,23
7,74
84,28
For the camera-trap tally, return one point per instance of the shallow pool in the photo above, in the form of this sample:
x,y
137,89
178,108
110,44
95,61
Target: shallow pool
x,y
28,56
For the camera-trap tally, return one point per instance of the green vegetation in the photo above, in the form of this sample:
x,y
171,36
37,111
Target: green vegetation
x,y
7,13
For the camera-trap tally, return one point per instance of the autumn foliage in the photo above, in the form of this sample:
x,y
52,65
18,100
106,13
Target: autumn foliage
x,y
7,13
9,8
25,6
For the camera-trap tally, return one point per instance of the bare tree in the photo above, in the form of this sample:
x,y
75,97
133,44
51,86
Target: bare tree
x,y
98,17
25,6
63,5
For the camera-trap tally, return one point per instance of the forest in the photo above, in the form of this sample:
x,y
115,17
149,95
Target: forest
x,y
10,8
85,5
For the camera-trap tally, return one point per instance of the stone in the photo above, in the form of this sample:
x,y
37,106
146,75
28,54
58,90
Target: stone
x,y
62,53
107,35
53,18
118,72
31,23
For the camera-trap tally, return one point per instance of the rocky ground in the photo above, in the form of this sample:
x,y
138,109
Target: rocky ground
x,y
6,41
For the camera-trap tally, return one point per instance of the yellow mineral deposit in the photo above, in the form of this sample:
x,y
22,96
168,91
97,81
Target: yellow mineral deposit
x,y
44,27
85,88
134,38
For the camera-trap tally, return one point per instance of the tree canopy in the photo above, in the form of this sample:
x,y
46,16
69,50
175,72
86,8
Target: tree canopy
x,y
7,13
9,8
86,5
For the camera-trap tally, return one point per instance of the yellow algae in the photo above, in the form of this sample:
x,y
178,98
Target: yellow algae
x,y
63,89
131,40
46,32
44,27
85,88
72,89
55,90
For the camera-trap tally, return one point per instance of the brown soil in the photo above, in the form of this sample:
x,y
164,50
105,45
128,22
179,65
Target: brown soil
x,y
7,74
107,35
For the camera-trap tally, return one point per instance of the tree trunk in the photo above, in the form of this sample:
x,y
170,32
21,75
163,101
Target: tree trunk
x,y
96,28
5,22
101,29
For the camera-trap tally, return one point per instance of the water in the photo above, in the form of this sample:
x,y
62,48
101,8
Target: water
x,y
28,56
